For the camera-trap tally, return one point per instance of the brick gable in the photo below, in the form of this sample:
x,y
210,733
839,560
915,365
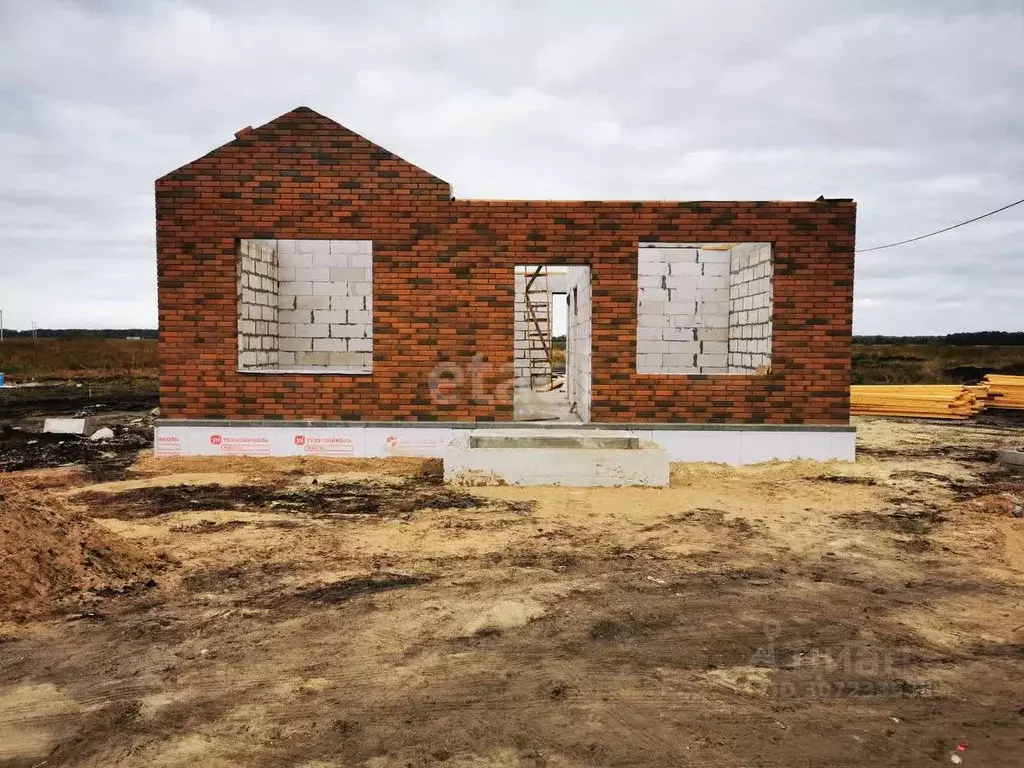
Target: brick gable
x,y
443,288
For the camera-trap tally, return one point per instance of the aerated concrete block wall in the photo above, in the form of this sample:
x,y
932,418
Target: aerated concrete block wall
x,y
325,304
530,364
579,338
257,304
750,307
682,309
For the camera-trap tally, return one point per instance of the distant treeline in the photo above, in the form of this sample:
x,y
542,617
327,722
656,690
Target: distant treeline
x,y
81,333
970,339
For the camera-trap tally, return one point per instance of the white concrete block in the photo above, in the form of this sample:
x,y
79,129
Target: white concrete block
x,y
329,315
349,358
712,361
349,275
348,302
648,334
713,257
645,282
329,260
719,310
295,316
678,255
649,363
312,358
713,334
312,302
684,268
360,345
313,246
678,362
358,316
313,275
684,285
311,330
651,347
340,331
350,246
681,339
330,345
682,315
296,288
64,426
648,267
294,344
294,260
332,288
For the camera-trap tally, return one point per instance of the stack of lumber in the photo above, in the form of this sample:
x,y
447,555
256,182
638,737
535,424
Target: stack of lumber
x,y
925,401
1005,391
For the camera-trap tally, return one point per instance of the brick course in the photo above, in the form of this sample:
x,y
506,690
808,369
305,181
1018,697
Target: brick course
x,y
443,288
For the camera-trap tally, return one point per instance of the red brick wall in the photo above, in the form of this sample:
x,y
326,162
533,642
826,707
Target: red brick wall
x,y
443,288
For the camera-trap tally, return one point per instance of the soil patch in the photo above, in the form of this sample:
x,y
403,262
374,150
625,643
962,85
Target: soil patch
x,y
104,459
958,453
339,591
49,551
907,521
847,479
98,397
322,500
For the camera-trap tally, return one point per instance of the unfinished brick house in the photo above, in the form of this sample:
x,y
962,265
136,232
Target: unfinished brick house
x,y
319,294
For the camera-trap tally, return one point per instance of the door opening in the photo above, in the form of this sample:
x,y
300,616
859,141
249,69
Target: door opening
x,y
552,341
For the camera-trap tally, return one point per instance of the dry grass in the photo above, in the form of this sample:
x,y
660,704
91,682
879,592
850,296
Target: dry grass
x,y
100,358
932,363
78,358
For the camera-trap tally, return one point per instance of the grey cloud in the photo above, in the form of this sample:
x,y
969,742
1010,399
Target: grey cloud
x,y
914,109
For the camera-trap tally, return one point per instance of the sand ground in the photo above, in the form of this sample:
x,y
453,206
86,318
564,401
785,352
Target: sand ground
x,y
358,613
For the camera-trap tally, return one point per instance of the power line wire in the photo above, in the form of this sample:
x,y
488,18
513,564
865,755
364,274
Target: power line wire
x,y
940,231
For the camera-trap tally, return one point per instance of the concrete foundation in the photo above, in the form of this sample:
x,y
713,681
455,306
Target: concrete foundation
x,y
721,443
523,457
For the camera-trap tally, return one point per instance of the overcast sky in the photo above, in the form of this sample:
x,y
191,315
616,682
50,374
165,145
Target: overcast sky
x,y
915,109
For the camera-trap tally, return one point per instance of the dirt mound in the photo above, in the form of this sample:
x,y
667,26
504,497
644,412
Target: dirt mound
x,y
49,551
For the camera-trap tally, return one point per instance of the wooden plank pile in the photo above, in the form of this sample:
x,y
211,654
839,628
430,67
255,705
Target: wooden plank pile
x,y
1005,391
926,401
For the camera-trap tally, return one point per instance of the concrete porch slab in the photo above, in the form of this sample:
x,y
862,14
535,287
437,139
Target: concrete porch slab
x,y
584,459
